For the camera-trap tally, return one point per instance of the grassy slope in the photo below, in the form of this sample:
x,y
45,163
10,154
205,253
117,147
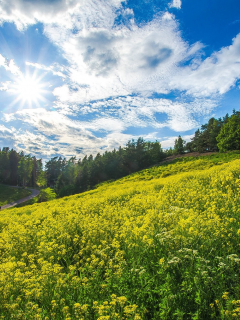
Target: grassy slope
x,y
8,194
28,203
159,244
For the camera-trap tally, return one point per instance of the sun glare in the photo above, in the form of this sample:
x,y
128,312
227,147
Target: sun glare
x,y
29,90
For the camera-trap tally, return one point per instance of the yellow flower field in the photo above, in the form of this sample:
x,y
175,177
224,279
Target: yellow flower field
x,y
163,243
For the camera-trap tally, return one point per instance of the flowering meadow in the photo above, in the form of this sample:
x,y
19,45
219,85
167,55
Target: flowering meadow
x,y
163,243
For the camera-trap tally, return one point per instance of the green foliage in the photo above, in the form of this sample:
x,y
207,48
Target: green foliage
x,y
179,145
42,179
19,169
53,169
67,190
229,136
222,133
46,195
25,167
72,176
169,152
8,194
205,139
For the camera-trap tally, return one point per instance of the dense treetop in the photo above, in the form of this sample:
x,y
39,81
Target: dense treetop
x,y
19,169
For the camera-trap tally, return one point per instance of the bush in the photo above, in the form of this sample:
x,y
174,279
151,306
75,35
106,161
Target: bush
x,y
46,195
67,191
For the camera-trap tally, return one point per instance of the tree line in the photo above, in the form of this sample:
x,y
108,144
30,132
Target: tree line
x,y
220,135
78,175
19,169
74,176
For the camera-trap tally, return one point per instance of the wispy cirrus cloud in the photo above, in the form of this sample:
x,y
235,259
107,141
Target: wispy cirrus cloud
x,y
48,133
121,113
55,69
214,75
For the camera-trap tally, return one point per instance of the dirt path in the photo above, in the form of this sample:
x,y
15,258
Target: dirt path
x,y
12,204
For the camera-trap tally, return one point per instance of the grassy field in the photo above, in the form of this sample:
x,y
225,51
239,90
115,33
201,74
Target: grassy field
x,y
163,243
8,194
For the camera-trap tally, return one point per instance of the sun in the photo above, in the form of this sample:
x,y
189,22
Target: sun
x,y
29,90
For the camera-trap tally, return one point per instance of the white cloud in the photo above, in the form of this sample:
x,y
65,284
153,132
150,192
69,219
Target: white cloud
x,y
109,61
5,85
167,143
117,61
176,4
10,66
2,61
113,71
55,69
120,61
215,75
142,60
13,68
51,133
68,13
145,112
4,130
48,133
106,124
23,12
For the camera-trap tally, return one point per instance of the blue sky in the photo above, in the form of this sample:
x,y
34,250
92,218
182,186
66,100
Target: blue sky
x,y
79,77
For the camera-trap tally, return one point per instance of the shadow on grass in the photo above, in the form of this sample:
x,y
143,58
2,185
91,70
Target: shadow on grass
x,y
9,194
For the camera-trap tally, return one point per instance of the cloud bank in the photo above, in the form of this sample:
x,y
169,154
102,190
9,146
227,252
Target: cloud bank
x,y
114,72
69,13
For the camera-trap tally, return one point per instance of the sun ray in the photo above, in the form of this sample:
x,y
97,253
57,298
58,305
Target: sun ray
x,y
29,91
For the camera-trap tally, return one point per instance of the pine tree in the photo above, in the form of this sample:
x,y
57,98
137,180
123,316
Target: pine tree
x,y
179,145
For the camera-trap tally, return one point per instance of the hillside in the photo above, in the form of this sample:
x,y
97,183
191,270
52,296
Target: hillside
x,y
162,243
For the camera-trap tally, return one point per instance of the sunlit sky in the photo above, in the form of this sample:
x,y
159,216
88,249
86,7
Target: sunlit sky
x,y
80,77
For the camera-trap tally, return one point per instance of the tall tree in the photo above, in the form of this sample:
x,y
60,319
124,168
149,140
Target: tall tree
x,y
13,163
179,145
229,136
205,139
23,171
54,167
4,165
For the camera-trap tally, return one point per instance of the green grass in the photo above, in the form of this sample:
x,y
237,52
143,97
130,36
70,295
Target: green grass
x,y
46,194
8,194
176,166
27,203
